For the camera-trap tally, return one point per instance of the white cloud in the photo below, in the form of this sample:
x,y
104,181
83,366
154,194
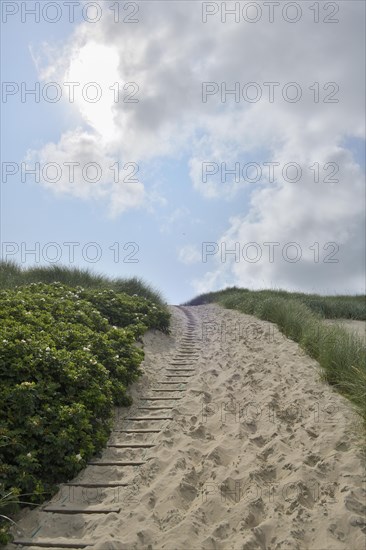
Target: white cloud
x,y
189,254
79,166
168,55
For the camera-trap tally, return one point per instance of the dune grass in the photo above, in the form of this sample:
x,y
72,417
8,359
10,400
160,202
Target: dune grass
x,y
11,275
341,355
329,307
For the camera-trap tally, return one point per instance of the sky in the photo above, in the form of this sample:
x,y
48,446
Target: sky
x,y
197,145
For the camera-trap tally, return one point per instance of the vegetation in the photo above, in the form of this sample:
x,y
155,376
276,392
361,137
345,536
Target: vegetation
x,y
329,307
300,317
12,275
67,356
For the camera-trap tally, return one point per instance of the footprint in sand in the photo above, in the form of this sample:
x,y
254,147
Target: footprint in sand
x,y
354,505
259,440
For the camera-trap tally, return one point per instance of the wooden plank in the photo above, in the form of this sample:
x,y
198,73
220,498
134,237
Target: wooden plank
x,y
54,543
178,376
132,445
167,391
188,346
143,418
95,484
89,510
139,431
160,398
173,383
155,408
169,376
181,370
117,463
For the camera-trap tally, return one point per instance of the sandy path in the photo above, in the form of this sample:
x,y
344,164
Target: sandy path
x,y
259,453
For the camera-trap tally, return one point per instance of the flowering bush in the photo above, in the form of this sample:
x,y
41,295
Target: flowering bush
x,y
124,310
66,358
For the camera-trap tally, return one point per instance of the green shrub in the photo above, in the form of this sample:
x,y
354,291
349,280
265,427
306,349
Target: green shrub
x,y
67,356
12,275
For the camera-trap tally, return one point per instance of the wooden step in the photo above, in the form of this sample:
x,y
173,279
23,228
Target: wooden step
x,y
181,370
167,391
173,383
155,408
131,445
117,463
53,509
54,543
186,347
138,431
160,398
95,484
177,376
144,418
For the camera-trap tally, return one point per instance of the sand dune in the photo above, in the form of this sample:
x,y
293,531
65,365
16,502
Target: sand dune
x,y
251,451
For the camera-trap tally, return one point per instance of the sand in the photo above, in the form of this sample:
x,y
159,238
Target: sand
x,y
258,453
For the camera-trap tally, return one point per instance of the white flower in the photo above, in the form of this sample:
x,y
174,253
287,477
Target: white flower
x,y
29,455
92,361
5,341
23,341
86,349
116,356
48,349
78,457
114,327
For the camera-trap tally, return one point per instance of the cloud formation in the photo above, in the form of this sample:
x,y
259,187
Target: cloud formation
x,y
166,58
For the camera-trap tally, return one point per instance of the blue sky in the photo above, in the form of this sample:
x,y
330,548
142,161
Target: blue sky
x,y
171,132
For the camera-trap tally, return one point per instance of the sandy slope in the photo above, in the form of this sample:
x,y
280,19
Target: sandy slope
x,y
259,453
